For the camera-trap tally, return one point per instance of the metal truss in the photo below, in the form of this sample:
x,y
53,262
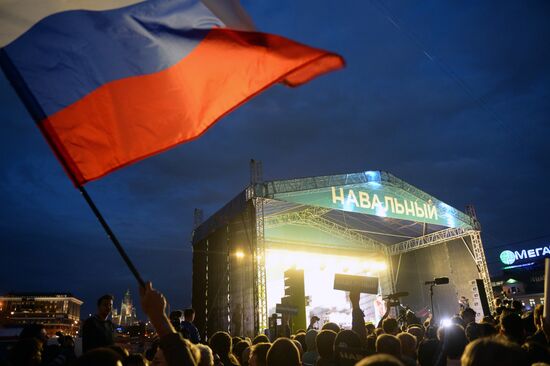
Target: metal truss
x,y
428,240
260,290
313,217
296,217
479,257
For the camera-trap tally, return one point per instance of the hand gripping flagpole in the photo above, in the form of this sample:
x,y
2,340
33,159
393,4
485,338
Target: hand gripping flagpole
x,y
38,116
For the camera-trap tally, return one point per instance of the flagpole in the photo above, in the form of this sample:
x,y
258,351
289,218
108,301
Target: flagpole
x,y
38,115
111,236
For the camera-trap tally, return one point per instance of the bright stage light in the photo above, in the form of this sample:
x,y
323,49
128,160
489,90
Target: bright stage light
x,y
239,254
319,270
446,322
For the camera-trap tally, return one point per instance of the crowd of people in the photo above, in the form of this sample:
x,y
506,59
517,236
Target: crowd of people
x,y
511,336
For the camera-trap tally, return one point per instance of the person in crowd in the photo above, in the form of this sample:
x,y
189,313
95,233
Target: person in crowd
x,y
173,347
260,338
331,326
388,344
454,341
408,348
258,354
430,353
206,356
511,327
221,344
98,330
188,328
325,347
311,355
369,327
26,352
380,360
239,348
175,319
538,336
390,326
473,331
347,343
468,315
491,351
301,337
536,352
313,322
417,331
283,352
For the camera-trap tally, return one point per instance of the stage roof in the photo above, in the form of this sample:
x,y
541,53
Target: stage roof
x,y
371,206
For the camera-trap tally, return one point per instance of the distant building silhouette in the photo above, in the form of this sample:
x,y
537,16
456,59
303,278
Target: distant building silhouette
x,y
127,315
57,311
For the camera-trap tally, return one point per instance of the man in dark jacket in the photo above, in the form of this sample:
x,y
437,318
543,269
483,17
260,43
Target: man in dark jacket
x,y
98,330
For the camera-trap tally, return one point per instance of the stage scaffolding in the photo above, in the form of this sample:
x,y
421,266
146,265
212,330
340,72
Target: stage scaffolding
x,y
301,204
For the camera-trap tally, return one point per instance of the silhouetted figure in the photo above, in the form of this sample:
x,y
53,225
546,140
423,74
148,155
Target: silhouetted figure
x,y
188,329
283,352
98,330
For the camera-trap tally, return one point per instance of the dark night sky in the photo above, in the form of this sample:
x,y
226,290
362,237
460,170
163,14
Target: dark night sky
x,y
452,97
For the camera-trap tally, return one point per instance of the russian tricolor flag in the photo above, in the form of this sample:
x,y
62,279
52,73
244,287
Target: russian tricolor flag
x,y
112,86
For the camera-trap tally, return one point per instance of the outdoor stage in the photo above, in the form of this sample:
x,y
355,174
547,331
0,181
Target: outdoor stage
x,y
369,223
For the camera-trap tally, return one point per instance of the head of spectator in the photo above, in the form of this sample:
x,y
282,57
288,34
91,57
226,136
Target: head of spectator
x,y
511,327
34,330
417,331
388,344
239,348
301,337
325,344
345,340
430,352
175,319
104,306
369,327
473,331
100,356
206,356
378,331
27,351
517,306
189,315
331,326
491,351
390,326
258,354
380,360
454,341
408,345
468,315
260,338
411,318
221,344
283,352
